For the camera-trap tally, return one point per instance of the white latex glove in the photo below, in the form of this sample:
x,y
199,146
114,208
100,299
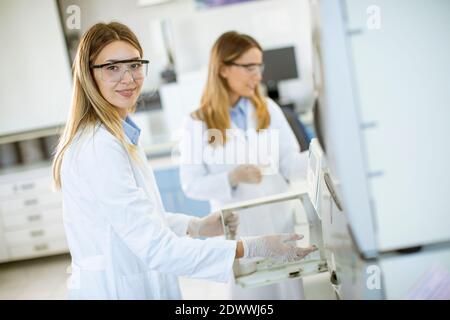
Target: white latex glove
x,y
246,173
211,225
275,247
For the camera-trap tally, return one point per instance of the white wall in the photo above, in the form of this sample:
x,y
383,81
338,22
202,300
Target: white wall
x,y
35,72
272,22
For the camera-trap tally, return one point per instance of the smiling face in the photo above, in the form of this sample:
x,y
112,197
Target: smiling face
x,y
122,94
241,81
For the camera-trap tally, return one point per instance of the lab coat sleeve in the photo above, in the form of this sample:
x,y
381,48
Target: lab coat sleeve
x,y
197,181
131,214
293,163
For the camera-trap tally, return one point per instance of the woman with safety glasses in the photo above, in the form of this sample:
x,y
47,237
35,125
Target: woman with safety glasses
x,y
238,146
122,242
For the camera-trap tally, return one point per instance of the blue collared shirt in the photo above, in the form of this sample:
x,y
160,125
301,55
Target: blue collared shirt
x,y
238,114
132,131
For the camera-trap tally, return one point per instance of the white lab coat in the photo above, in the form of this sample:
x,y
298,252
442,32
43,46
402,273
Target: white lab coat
x,y
208,180
122,242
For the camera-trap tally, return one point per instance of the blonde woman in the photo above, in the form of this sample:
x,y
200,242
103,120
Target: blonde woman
x,y
223,156
122,242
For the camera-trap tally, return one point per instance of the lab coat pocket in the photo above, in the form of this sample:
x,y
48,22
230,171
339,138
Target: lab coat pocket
x,y
88,285
137,287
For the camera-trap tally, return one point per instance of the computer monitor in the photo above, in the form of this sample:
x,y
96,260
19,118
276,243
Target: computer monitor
x,y
280,64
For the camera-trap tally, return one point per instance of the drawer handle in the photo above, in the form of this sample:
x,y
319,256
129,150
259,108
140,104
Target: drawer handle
x,y
34,217
41,247
30,202
37,233
334,279
331,189
28,186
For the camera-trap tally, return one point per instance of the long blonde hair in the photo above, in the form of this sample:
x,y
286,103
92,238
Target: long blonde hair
x,y
88,107
215,101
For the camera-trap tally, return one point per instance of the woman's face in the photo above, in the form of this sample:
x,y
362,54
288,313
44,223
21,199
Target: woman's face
x,y
244,75
124,92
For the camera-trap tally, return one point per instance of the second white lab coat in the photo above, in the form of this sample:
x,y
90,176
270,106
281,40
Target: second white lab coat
x,y
206,179
122,242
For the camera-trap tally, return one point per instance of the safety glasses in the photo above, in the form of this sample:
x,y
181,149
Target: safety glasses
x,y
114,71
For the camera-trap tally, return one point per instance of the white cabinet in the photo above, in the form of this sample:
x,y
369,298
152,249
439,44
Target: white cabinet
x,y
383,110
30,215
403,91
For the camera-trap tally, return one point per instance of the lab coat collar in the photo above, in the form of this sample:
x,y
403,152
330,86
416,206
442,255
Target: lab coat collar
x,y
132,131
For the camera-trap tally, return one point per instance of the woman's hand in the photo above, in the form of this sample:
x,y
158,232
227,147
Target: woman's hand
x,y
211,225
276,246
246,173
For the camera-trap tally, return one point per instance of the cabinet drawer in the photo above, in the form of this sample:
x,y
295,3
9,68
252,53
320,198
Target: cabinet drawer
x,y
34,235
32,217
25,186
34,201
39,248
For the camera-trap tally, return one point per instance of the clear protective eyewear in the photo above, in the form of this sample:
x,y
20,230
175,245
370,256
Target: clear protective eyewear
x,y
114,71
251,68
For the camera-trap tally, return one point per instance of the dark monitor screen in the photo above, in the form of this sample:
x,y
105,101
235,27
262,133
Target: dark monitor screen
x,y
280,64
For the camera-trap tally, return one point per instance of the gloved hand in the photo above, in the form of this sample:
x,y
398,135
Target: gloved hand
x,y
275,247
211,225
246,173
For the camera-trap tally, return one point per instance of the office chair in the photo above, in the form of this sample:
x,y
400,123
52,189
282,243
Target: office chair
x,y
297,127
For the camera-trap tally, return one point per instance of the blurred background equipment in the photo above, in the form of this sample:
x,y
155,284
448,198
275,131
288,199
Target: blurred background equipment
x,y
280,64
